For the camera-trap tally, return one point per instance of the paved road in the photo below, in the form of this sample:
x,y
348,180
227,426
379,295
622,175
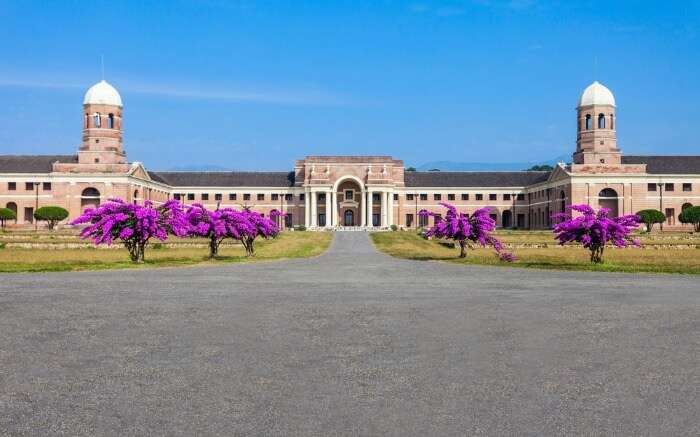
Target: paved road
x,y
350,343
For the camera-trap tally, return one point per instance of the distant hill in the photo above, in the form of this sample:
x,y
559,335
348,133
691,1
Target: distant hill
x,y
487,166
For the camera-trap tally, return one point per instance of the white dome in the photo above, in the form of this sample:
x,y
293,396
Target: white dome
x,y
596,94
102,93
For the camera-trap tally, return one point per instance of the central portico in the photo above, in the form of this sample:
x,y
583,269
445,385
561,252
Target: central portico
x,y
349,191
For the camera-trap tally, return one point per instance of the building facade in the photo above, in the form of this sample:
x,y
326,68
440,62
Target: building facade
x,y
357,191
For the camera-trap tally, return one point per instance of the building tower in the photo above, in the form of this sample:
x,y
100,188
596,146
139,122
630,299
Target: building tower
x,y
596,142
102,126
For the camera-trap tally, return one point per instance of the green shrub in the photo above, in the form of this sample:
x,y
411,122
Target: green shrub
x,y
51,215
5,215
691,216
650,217
157,246
394,227
300,228
3,245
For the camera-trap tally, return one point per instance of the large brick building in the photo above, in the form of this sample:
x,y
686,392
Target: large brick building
x,y
358,191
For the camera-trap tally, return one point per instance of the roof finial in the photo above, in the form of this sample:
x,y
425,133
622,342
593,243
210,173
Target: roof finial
x,y
102,65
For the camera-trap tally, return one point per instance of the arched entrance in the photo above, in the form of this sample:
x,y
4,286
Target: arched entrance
x,y
607,198
348,207
89,198
349,218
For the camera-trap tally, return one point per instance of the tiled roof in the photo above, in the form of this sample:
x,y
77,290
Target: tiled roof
x,y
32,163
225,178
666,164
474,178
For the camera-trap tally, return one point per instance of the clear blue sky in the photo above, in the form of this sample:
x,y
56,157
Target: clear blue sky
x,y
255,85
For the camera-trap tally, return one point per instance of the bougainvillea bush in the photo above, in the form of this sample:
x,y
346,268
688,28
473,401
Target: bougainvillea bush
x,y
258,226
466,229
217,225
594,229
133,225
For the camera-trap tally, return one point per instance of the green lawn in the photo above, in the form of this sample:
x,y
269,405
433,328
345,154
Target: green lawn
x,y
286,245
651,259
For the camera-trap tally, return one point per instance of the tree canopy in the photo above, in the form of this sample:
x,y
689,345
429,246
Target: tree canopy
x,y
650,217
541,167
691,216
51,215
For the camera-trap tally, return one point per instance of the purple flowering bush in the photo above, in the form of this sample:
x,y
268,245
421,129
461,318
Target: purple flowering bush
x,y
133,225
217,225
466,229
594,229
258,226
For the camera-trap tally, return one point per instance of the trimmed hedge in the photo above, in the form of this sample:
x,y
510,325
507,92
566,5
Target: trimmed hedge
x,y
691,216
51,215
650,217
6,214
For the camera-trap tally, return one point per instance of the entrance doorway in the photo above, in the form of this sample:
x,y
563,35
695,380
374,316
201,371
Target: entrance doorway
x,y
349,218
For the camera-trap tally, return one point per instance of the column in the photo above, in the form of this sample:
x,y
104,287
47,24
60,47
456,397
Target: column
x,y
363,209
329,221
390,205
370,223
334,209
384,208
314,201
307,208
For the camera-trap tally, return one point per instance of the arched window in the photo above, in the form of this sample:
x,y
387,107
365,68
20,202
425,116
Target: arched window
x,y
612,121
12,206
89,198
607,192
589,124
97,120
110,121
601,121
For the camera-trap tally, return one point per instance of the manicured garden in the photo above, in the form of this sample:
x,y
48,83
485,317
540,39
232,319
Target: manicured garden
x,y
588,240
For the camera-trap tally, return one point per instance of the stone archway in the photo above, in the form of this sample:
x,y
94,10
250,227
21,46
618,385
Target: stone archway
x,y
348,205
607,198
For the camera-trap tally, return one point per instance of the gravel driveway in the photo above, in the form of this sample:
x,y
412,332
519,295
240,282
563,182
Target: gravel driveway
x,y
349,343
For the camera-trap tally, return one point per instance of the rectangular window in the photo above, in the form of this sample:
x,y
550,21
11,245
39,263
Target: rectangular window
x,y
376,220
396,197
670,216
275,196
205,196
321,197
190,196
29,215
520,197
422,221
217,197
669,187
479,197
376,197
246,196
521,220
493,196
409,220
465,196
11,186
302,197
494,217
288,222
450,197
506,197
437,196
47,186
232,196
177,196
261,197
651,187
423,196
322,219
409,196
687,187
288,197
437,218
29,186
349,194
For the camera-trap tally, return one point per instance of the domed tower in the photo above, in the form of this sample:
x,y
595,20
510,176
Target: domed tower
x,y
102,126
596,142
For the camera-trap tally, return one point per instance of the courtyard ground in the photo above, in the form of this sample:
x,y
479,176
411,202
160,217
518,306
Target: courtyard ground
x,y
352,342
660,253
